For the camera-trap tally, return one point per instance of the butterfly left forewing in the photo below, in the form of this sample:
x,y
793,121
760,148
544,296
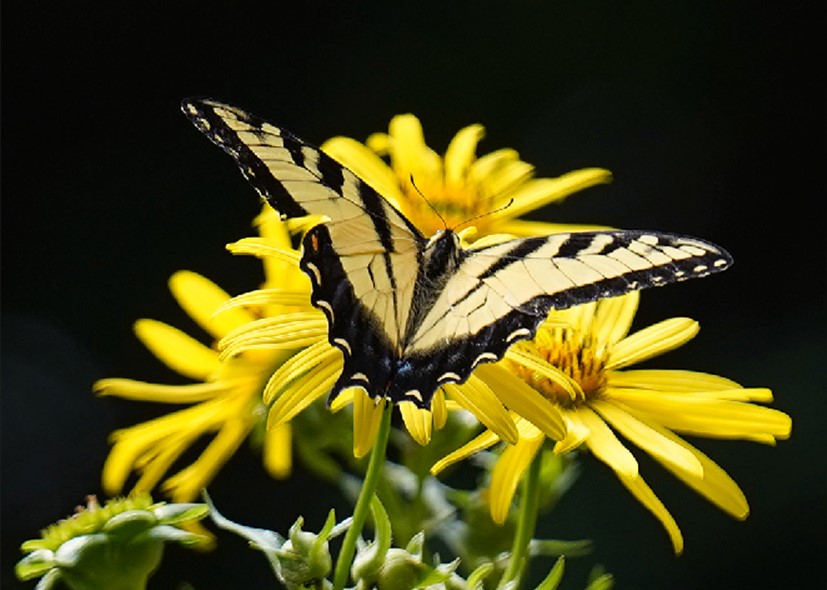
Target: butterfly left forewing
x,y
363,260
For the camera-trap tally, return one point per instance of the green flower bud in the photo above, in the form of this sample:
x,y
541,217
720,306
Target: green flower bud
x,y
118,545
304,557
401,571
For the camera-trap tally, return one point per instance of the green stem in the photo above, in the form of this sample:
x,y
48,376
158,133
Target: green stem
x,y
527,520
360,512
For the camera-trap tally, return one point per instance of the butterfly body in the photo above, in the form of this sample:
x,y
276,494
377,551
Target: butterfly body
x,y
411,313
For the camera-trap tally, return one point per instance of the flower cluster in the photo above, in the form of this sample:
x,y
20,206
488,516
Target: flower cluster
x,y
572,385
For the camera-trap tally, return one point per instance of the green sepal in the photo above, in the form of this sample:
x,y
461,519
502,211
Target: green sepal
x,y
35,564
555,576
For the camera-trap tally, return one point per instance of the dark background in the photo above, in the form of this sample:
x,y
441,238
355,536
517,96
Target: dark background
x,y
710,114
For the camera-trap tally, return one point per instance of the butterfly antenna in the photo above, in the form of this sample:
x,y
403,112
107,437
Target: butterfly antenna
x,y
487,213
431,205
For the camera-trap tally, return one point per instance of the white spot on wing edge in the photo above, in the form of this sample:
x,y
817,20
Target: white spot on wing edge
x,y
360,377
414,393
694,250
322,304
485,356
342,343
518,333
315,270
648,239
448,377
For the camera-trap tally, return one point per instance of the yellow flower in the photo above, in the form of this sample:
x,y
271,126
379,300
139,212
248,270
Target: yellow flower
x,y
226,399
574,365
489,192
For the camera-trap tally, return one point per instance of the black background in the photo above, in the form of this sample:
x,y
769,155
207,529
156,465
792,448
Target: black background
x,y
710,114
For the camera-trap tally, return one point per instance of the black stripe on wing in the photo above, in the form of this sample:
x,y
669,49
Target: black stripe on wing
x,y
203,114
701,259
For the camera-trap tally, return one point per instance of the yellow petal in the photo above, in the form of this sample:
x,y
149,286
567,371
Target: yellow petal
x,y
716,486
321,353
475,445
461,153
525,227
613,317
652,341
135,447
541,191
367,414
263,248
647,497
286,331
366,164
518,396
526,428
272,228
174,394
303,392
200,298
506,181
669,380
576,433
497,163
177,350
187,484
648,439
409,153
604,444
476,397
418,422
154,445
278,456
439,409
507,473
271,296
702,416
535,363
344,399
153,467
379,143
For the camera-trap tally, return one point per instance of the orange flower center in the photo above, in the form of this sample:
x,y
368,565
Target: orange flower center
x,y
433,205
576,355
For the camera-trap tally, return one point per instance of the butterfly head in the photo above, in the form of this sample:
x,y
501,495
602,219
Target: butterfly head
x,y
442,253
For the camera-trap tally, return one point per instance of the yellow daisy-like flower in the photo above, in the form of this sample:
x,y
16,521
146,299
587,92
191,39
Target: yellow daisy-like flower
x,y
433,191
226,400
575,367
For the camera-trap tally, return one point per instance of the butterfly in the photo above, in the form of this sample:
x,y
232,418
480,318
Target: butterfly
x,y
411,313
